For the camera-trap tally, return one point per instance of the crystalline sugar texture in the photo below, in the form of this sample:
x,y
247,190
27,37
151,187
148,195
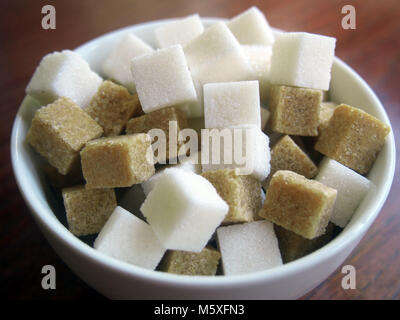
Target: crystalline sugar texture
x,y
64,74
248,247
351,187
126,237
229,104
184,209
303,60
162,79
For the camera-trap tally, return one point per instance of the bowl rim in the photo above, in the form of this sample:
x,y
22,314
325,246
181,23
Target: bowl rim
x,y
57,230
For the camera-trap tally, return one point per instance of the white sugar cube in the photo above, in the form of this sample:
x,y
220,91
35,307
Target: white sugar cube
x,y
259,58
251,27
127,238
303,60
231,104
351,189
248,247
216,56
180,31
264,117
117,65
184,209
162,79
245,148
64,74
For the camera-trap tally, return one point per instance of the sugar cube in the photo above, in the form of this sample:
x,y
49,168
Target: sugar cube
x,y
117,161
161,119
88,210
180,31
240,192
60,130
127,238
351,189
112,106
294,110
246,148
184,209
353,138
298,204
203,263
216,56
231,104
248,247
302,59
293,246
117,64
259,58
251,27
63,74
162,79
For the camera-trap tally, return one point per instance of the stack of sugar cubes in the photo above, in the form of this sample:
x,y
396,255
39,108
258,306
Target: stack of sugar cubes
x,y
132,168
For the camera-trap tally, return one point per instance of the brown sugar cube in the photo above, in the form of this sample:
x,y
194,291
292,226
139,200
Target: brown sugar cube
x,y
325,114
241,192
298,204
160,119
112,106
287,155
88,210
202,263
117,161
58,180
353,138
293,246
294,110
59,131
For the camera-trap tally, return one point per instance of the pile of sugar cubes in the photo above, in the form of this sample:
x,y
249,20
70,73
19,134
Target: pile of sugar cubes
x,y
206,213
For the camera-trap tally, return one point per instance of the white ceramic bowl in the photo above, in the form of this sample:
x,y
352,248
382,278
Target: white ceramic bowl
x,y
116,279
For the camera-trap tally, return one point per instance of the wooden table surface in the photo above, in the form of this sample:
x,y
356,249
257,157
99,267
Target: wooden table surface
x,y
373,50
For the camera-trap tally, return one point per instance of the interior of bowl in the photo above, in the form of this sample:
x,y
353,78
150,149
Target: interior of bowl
x,y
346,87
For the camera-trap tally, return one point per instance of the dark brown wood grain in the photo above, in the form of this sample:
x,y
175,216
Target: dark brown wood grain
x,y
373,50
